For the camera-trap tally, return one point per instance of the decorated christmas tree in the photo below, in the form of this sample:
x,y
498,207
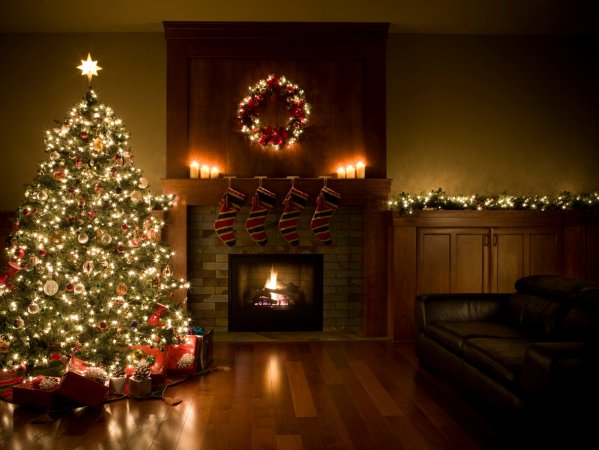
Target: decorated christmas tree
x,y
88,274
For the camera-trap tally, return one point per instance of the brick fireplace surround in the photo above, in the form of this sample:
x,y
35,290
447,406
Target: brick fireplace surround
x,y
355,265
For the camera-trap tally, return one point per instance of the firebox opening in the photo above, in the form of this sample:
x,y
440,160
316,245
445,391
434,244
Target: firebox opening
x,y
275,292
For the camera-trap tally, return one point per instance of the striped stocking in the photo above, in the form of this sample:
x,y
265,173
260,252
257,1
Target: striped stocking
x,y
262,202
230,205
326,204
294,202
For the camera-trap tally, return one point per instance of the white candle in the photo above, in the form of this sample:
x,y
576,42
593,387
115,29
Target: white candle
x,y
205,171
340,172
350,172
214,172
360,170
194,167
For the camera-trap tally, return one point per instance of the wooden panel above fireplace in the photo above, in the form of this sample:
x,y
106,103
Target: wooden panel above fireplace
x,y
340,67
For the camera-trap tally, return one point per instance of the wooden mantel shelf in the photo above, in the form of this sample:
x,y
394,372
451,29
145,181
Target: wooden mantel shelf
x,y
209,192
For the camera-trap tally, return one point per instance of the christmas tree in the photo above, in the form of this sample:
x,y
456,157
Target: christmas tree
x,y
87,272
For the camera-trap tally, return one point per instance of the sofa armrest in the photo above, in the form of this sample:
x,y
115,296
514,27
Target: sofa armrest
x,y
562,369
459,307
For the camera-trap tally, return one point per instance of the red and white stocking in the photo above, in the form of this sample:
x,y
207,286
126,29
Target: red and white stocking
x,y
230,205
326,204
262,202
294,202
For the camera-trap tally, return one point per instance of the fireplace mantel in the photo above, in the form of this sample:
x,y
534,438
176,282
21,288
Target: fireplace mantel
x,y
370,194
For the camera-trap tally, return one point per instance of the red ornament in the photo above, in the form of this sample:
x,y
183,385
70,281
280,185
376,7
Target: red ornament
x,y
125,227
55,356
42,252
20,253
91,214
70,287
58,174
84,135
120,249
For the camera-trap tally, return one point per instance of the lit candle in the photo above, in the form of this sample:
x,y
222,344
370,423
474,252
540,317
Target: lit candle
x,y
205,171
340,172
360,170
350,172
194,167
214,172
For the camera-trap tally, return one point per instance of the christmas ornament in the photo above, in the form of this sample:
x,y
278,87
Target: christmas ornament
x,y
83,238
84,135
103,326
98,144
230,205
88,267
136,196
50,287
121,289
167,272
4,345
90,214
20,252
272,136
326,204
34,261
42,252
79,288
143,183
42,196
33,308
295,202
19,323
106,239
59,175
54,156
70,287
262,202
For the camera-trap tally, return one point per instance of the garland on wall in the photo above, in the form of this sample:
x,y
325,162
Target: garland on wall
x,y
407,203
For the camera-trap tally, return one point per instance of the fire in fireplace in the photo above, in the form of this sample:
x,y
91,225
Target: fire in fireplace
x,y
275,292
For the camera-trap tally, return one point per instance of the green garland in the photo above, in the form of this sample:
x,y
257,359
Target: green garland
x,y
407,203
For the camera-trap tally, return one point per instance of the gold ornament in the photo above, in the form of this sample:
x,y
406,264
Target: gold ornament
x,y
83,238
98,144
42,196
106,239
121,289
50,287
33,308
88,267
143,183
19,323
4,346
79,288
136,196
167,272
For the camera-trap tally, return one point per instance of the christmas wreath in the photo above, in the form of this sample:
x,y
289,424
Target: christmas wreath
x,y
273,136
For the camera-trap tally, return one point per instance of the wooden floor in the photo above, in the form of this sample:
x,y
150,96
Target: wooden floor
x,y
276,395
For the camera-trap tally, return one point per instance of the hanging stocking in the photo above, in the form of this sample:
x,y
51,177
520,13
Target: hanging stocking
x,y
154,319
326,204
262,202
294,202
230,205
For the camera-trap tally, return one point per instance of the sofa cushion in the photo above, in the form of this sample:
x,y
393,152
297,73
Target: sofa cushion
x,y
534,315
550,286
500,358
453,334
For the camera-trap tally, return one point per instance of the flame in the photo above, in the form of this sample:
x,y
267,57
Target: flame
x,y
271,282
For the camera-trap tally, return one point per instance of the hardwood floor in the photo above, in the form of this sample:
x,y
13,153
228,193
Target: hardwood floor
x,y
277,395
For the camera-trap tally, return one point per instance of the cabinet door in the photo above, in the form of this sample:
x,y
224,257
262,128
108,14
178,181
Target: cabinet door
x,y
452,260
519,252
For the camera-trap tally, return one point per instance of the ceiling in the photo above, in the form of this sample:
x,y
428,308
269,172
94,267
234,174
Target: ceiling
x,y
528,17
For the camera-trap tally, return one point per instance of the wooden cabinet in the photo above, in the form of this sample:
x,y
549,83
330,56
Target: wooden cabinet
x,y
471,259
483,251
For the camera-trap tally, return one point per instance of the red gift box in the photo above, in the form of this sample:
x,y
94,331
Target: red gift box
x,y
46,399
77,387
182,357
157,370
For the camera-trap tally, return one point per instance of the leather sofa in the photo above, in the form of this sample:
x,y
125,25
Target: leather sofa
x,y
533,352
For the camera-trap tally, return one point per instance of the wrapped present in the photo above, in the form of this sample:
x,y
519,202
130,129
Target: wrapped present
x,y
155,359
204,349
182,357
42,393
84,384
140,383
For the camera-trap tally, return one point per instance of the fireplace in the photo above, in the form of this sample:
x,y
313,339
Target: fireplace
x,y
275,292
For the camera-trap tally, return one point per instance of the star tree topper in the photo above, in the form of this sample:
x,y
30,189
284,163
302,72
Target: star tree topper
x,y
89,68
